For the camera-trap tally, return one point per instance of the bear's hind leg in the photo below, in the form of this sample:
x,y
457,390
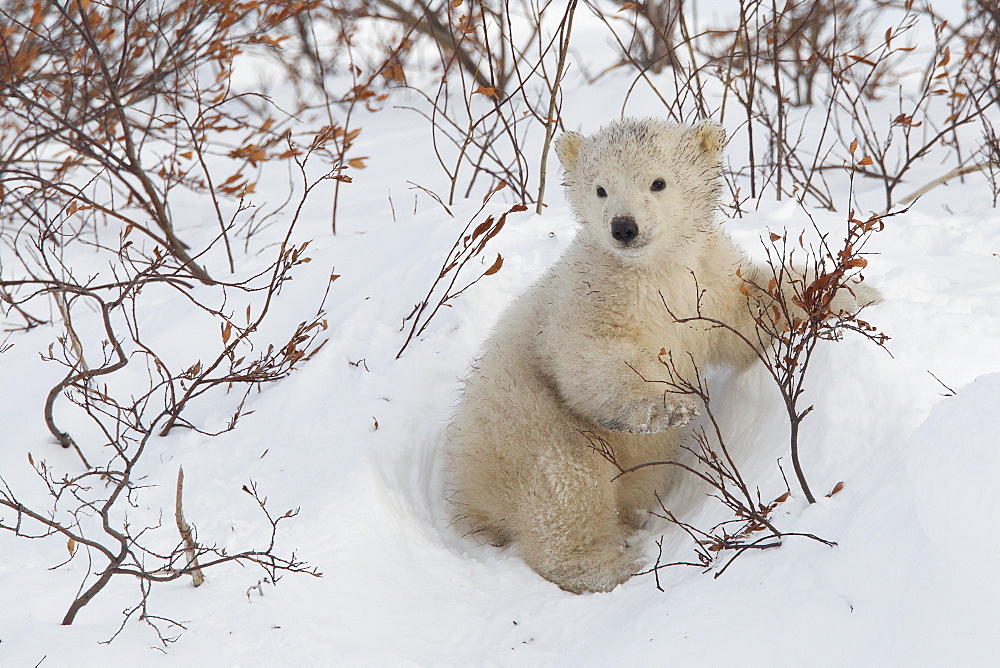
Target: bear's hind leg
x,y
568,529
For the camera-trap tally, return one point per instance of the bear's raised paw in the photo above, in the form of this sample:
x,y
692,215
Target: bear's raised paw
x,y
653,415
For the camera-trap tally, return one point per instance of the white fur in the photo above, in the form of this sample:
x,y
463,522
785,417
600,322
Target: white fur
x,y
566,357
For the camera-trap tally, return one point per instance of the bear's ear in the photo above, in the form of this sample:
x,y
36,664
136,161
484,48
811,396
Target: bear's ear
x,y
711,139
568,149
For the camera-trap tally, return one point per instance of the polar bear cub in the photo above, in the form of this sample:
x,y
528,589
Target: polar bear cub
x,y
569,356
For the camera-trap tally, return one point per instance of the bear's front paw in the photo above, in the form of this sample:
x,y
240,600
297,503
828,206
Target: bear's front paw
x,y
650,416
854,297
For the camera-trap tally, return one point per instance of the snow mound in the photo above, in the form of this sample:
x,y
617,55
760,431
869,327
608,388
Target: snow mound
x,y
953,462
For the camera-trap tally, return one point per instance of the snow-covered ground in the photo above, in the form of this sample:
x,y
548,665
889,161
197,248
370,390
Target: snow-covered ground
x,y
356,447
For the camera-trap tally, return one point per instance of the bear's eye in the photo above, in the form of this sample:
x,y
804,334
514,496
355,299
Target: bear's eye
x,y
601,192
658,185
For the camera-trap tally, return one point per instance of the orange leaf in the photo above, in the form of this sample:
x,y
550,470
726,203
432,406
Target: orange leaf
x,y
36,14
482,227
836,488
946,58
867,160
627,6
357,163
775,237
496,266
227,330
854,146
394,72
500,186
488,91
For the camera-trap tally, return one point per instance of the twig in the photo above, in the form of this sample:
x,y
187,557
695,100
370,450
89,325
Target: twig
x,y
941,180
187,535
550,116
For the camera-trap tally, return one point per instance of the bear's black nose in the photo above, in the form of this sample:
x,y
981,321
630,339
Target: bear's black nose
x,y
624,229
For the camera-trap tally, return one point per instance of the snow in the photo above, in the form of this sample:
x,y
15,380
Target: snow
x,y
352,439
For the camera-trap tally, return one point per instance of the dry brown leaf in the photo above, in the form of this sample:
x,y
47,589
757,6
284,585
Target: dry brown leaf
x,y
496,266
946,58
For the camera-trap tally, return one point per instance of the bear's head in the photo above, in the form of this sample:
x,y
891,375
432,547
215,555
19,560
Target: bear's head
x,y
640,184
